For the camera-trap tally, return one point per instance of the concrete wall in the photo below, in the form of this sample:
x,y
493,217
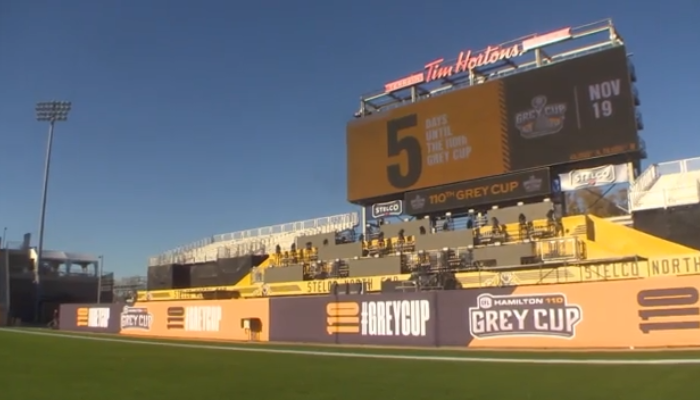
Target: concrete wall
x,y
375,266
291,273
507,254
440,240
510,215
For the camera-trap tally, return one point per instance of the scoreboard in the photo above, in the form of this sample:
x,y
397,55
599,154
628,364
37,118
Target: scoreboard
x,y
568,111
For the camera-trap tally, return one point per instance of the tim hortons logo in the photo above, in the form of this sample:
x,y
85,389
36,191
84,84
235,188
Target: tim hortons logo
x,y
466,61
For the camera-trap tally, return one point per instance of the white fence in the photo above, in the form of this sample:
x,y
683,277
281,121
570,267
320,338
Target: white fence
x,y
252,240
643,195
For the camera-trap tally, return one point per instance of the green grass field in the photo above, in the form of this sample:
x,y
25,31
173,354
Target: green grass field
x,y
59,368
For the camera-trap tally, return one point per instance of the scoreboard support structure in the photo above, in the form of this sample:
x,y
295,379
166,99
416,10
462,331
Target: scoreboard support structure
x,y
526,53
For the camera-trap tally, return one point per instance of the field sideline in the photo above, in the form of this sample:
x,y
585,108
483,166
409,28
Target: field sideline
x,y
40,364
677,357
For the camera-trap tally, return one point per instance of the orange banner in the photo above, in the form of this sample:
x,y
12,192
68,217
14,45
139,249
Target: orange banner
x,y
659,312
210,320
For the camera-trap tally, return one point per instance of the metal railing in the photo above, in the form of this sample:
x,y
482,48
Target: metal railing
x,y
646,179
349,220
651,175
591,37
560,249
654,171
679,166
666,197
249,237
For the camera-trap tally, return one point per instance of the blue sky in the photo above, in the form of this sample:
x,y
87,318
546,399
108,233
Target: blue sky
x,y
193,118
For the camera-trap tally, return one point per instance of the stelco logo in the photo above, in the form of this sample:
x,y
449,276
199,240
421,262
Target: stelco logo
x,y
137,318
379,318
390,208
529,315
593,176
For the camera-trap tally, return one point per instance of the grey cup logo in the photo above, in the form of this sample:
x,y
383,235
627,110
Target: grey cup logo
x,y
547,315
604,175
542,119
532,184
418,202
390,208
136,318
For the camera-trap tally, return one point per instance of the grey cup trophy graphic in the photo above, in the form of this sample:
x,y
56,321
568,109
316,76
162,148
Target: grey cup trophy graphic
x,y
542,119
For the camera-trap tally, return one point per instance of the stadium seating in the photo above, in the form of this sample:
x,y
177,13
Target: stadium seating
x,y
450,245
667,184
445,252
258,240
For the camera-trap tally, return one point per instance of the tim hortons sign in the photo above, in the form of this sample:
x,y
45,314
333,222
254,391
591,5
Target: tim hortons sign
x,y
468,60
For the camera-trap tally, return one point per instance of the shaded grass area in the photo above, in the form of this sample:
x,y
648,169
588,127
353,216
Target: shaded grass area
x,y
438,352
47,367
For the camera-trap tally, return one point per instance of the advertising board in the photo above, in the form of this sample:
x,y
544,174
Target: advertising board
x,y
386,209
389,319
593,177
644,313
491,190
469,60
101,318
212,320
571,110
648,313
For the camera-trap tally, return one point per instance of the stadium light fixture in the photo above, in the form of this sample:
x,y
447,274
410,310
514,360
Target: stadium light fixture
x,y
51,112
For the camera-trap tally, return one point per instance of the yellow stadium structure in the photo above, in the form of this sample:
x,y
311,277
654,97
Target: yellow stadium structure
x,y
527,245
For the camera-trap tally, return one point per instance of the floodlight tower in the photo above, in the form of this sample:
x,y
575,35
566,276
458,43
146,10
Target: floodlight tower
x,y
51,112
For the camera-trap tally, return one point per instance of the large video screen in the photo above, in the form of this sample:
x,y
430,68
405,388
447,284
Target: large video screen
x,y
571,110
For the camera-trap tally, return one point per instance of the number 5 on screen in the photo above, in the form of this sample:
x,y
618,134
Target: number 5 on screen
x,y
407,144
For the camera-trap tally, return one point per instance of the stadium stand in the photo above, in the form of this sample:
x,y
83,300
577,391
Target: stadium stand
x,y
667,184
228,259
126,288
252,241
522,244
65,277
505,242
665,200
